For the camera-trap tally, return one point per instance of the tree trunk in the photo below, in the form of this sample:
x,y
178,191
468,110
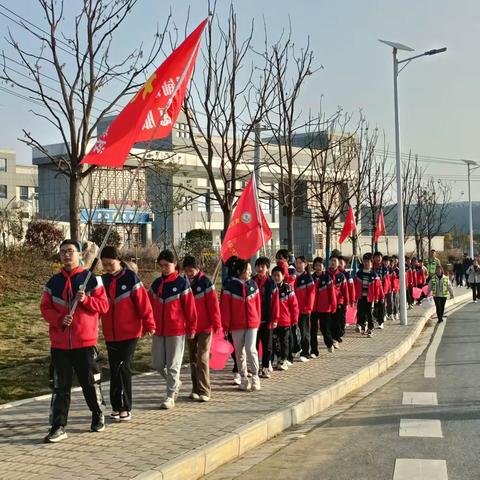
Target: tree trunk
x,y
328,240
354,244
74,207
290,237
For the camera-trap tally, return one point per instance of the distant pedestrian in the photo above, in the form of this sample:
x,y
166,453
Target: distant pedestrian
x,y
175,317
129,317
473,276
440,287
458,271
467,263
208,322
73,338
241,306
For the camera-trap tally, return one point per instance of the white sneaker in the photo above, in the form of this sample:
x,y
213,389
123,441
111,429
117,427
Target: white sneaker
x,y
194,396
474,301
237,379
336,344
265,373
331,349
270,367
244,384
312,355
204,398
303,359
369,334
168,403
358,329
380,326
288,362
283,366
256,383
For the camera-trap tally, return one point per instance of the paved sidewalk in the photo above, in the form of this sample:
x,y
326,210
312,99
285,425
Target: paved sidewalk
x,y
155,437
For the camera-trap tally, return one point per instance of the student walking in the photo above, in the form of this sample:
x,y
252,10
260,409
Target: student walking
x,y
208,321
288,316
368,290
324,307
382,271
129,317
440,287
269,313
342,300
241,306
73,339
473,278
305,292
175,317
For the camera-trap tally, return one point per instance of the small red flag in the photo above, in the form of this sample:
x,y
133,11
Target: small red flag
x,y
244,234
380,227
349,226
152,112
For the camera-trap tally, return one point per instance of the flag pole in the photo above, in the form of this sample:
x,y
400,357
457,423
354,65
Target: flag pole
x,y
258,212
140,165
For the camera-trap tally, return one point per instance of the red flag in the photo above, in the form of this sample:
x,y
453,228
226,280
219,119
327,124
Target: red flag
x,y
153,111
349,226
244,234
380,227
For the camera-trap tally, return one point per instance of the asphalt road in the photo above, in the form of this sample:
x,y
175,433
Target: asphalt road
x,y
378,436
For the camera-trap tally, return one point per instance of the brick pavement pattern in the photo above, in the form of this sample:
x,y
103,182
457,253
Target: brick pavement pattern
x,y
155,436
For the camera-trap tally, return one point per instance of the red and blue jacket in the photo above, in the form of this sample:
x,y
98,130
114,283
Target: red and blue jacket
x,y
288,306
382,271
173,306
58,296
420,275
240,304
269,295
305,292
130,314
395,279
341,287
325,296
375,290
351,286
410,276
206,304
289,272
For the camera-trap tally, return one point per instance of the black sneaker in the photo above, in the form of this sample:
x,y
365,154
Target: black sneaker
x,y
56,434
98,422
369,333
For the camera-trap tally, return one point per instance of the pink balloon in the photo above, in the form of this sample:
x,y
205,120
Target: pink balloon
x,y
416,293
351,318
219,352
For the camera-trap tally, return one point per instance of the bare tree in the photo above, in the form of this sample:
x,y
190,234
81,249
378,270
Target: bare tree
x,y
223,107
81,65
287,149
412,175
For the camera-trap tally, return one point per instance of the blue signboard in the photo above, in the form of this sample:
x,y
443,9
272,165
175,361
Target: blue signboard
x,y
105,215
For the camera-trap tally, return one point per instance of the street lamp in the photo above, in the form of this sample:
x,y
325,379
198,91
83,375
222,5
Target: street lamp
x,y
470,163
401,241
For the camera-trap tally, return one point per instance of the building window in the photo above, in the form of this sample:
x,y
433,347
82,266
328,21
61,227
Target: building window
x,y
3,191
3,164
23,193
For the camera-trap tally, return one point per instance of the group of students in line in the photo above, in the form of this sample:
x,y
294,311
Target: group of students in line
x,y
281,309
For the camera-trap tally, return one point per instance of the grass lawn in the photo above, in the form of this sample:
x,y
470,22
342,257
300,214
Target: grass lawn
x,y
24,349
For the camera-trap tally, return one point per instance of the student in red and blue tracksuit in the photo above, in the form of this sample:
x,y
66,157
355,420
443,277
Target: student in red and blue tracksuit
x,y
305,291
175,317
73,338
129,317
288,316
342,299
351,286
382,271
368,290
241,307
208,322
410,281
324,307
270,311
282,257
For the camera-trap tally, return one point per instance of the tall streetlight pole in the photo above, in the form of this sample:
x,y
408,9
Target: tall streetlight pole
x,y
470,163
401,240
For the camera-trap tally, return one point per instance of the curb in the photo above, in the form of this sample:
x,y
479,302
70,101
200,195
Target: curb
x,y
205,460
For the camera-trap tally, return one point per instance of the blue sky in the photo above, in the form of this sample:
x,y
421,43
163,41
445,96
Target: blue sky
x,y
439,96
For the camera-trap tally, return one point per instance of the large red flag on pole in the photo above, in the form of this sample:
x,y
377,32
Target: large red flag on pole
x,y
349,227
152,112
380,229
248,230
